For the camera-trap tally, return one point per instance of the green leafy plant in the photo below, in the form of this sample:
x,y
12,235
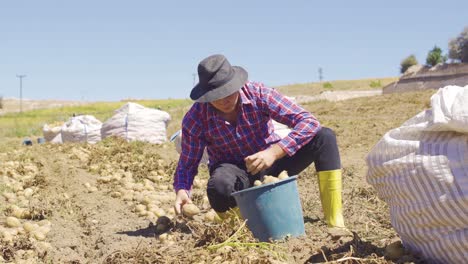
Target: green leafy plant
x,y
375,84
327,85
435,56
408,62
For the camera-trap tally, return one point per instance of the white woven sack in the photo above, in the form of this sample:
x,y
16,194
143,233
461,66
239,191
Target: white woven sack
x,y
136,122
51,132
421,170
280,129
83,128
450,109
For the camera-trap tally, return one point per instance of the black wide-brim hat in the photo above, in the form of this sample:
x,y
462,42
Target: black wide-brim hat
x,y
217,79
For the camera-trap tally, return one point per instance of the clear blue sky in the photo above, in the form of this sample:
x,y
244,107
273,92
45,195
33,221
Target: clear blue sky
x,y
114,49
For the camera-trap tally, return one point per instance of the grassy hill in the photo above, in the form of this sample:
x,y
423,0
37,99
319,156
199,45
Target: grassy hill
x,y
340,85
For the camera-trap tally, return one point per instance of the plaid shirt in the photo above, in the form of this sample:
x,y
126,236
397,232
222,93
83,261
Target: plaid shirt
x,y
203,127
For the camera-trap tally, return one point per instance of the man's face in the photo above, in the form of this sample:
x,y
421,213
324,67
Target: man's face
x,y
227,104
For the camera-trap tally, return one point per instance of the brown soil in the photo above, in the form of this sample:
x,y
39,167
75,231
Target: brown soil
x,y
95,227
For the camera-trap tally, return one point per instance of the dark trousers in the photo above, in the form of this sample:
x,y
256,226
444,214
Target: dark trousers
x,y
226,178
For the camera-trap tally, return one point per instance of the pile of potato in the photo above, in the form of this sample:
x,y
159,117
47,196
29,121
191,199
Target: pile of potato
x,y
271,179
18,221
151,198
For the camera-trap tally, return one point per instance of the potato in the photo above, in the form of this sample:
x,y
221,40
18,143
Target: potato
x,y
28,226
257,183
44,223
9,196
92,189
12,221
44,229
28,192
190,210
283,175
270,179
115,194
163,237
38,235
159,212
147,200
140,208
6,236
212,217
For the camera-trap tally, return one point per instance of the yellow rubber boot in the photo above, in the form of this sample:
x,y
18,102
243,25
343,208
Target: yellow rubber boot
x,y
330,195
233,212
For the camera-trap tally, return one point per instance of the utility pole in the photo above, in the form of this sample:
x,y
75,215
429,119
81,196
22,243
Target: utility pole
x,y
320,72
21,91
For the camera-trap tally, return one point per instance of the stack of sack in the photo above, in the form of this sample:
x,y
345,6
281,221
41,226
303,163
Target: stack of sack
x,y
421,170
136,122
131,122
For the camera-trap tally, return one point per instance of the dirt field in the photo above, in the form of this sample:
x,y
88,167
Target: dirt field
x,y
112,202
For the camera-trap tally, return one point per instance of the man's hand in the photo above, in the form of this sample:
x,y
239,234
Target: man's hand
x,y
182,198
264,159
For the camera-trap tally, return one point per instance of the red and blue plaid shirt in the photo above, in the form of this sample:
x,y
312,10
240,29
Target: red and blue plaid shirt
x,y
203,127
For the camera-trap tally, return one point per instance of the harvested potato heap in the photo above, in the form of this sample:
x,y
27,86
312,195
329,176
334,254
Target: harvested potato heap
x,y
271,179
17,178
143,179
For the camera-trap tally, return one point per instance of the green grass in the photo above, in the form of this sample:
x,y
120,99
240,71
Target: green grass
x,y
30,123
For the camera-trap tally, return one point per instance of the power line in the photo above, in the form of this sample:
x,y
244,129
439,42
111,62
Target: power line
x,y
21,90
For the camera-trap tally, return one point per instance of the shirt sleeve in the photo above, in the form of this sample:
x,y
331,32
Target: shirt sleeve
x,y
193,145
283,110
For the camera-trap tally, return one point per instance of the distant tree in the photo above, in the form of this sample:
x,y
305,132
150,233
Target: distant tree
x,y
435,56
408,62
458,47
1,102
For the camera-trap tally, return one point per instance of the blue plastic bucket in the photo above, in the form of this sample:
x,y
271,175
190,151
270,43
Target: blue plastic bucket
x,y
273,211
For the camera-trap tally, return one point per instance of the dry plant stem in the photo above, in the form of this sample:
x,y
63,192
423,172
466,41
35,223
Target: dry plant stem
x,y
230,242
345,259
324,256
216,246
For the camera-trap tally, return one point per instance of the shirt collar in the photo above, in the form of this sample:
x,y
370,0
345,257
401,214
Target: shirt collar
x,y
243,94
